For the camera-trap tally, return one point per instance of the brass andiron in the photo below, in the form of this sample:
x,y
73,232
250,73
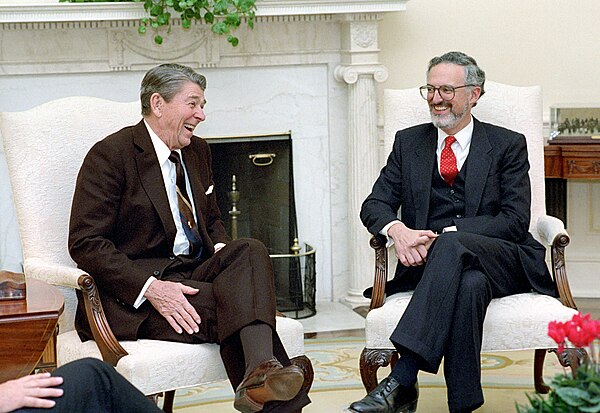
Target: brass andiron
x,y
295,247
234,197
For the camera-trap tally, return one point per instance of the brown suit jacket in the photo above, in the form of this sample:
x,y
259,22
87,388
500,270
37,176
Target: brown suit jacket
x,y
121,229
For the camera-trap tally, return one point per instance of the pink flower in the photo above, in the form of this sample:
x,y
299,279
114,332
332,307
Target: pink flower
x,y
580,331
557,331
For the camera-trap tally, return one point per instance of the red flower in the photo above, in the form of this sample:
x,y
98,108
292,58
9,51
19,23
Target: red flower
x,y
580,331
557,332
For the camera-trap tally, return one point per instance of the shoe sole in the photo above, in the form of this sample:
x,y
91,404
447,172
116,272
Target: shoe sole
x,y
277,387
281,387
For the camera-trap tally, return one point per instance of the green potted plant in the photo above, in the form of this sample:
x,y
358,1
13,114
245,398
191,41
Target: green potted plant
x,y
224,16
572,393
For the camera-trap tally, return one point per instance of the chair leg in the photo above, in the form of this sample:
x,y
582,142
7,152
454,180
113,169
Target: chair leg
x,y
538,372
168,403
370,361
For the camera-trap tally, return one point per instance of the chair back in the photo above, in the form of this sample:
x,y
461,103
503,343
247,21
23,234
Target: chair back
x,y
518,108
44,148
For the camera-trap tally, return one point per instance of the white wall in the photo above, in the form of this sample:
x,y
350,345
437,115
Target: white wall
x,y
553,43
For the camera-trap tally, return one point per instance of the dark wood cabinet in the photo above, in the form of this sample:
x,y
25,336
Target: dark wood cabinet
x,y
568,159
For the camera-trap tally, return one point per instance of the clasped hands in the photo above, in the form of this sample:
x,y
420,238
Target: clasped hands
x,y
411,245
168,298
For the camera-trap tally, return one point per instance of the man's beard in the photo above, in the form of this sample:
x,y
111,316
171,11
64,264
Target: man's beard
x,y
449,120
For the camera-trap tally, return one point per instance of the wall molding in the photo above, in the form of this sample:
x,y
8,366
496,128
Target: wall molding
x,y
80,12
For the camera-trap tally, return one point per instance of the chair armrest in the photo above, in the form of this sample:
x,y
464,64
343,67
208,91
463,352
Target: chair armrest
x,y
108,344
549,228
378,243
552,231
55,274
75,278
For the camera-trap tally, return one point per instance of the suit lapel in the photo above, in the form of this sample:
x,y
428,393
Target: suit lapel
x,y
151,178
477,172
422,160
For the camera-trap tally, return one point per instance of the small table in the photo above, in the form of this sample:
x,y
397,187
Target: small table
x,y
28,330
568,159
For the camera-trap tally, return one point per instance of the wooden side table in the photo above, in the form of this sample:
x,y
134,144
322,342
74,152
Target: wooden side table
x,y
28,330
568,159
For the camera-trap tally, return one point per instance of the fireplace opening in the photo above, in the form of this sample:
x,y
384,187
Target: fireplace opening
x,y
254,187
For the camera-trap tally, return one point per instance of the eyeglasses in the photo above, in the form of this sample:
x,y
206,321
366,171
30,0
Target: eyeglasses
x,y
446,92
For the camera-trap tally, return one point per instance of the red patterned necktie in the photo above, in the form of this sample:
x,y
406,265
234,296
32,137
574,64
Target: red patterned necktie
x,y
448,168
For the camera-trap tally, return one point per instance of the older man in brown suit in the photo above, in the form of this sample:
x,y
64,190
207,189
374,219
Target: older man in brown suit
x,y
146,225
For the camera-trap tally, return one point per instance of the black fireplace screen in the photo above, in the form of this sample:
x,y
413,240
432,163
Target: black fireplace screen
x,y
254,186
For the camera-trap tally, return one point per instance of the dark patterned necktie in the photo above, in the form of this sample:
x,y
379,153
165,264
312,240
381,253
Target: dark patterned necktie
x,y
448,168
185,208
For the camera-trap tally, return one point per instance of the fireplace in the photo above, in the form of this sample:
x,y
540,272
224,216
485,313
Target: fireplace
x,y
254,187
309,66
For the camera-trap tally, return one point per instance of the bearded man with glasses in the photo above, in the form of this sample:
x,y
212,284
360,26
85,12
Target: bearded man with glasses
x,y
463,191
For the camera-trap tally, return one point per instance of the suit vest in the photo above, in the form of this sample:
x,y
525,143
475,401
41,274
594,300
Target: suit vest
x,y
446,202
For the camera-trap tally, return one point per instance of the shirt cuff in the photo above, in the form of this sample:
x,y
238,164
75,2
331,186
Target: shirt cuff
x,y
218,246
140,298
450,229
384,232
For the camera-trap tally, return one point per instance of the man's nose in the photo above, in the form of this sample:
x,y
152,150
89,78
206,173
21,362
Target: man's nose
x,y
200,115
437,97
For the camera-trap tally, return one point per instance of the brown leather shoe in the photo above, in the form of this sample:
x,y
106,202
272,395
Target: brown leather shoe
x,y
268,382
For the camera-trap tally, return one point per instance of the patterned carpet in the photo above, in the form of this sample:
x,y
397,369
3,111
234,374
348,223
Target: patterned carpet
x,y
506,378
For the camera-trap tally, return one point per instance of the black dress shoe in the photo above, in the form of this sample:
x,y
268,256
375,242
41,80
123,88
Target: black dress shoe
x,y
388,397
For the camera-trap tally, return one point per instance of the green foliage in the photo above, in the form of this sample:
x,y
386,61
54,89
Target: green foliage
x,y
224,16
568,394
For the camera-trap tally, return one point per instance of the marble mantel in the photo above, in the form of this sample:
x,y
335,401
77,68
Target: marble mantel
x,y
46,11
327,48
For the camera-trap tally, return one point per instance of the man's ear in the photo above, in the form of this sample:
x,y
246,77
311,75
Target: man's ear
x,y
475,95
156,104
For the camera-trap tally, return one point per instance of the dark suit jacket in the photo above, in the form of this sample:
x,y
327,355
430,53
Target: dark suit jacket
x,y
121,230
497,192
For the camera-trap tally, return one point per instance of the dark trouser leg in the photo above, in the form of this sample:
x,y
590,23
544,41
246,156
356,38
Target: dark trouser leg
x,y
462,353
93,386
236,290
429,322
231,349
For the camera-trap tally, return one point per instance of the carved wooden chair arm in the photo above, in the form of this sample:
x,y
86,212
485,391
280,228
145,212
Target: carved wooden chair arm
x,y
553,233
381,268
559,270
108,344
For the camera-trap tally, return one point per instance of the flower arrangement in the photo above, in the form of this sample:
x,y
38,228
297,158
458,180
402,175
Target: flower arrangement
x,y
579,392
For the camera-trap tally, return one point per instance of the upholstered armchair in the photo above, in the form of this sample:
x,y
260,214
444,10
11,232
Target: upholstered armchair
x,y
518,322
44,148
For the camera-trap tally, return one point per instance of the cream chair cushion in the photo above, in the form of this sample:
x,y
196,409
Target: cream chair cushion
x,y
156,366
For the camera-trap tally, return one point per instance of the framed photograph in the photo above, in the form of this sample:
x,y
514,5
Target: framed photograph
x,y
577,124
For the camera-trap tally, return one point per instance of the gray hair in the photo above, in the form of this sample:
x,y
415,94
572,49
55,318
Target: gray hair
x,y
473,73
167,80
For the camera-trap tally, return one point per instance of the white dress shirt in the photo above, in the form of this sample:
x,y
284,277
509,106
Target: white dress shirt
x,y
461,150
181,245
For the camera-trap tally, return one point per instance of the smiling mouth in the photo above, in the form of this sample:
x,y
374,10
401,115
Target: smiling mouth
x,y
440,108
189,127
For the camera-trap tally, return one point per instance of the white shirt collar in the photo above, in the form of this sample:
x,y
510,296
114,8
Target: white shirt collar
x,y
463,137
162,150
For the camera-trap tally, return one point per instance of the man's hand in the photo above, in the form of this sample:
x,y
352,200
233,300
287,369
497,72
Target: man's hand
x,y
169,300
411,245
29,391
